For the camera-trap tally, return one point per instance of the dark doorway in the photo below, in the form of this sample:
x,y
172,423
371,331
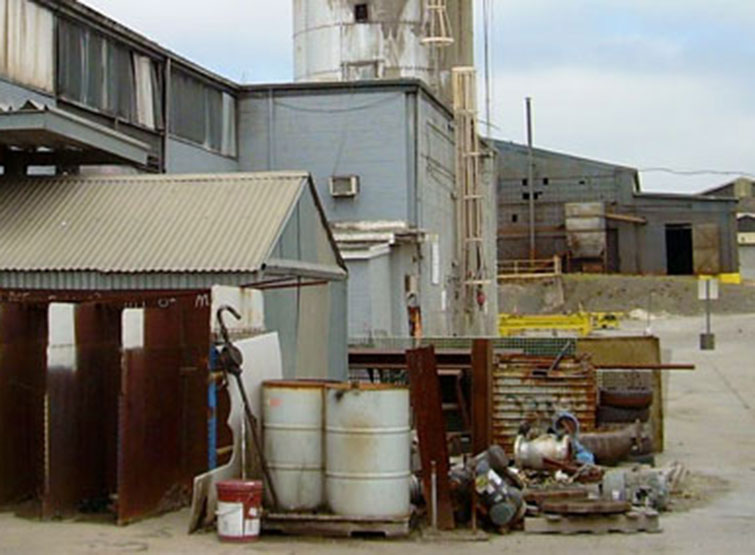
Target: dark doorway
x,y
679,261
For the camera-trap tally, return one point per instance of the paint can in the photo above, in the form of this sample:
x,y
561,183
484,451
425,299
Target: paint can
x,y
239,510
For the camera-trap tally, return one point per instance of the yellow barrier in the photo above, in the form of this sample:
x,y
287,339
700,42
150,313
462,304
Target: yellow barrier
x,y
512,324
732,278
581,323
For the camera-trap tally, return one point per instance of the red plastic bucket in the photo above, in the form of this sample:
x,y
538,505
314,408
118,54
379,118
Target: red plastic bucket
x,y
239,510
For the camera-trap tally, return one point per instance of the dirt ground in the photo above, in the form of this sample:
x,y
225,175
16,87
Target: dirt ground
x,y
659,295
710,427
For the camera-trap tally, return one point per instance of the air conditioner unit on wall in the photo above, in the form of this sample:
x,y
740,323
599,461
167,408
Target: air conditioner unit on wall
x,y
344,185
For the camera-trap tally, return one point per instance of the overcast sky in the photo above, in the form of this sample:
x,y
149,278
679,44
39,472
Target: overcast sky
x,y
644,83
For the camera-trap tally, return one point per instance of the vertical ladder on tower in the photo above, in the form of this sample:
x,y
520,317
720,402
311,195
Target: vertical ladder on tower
x,y
470,218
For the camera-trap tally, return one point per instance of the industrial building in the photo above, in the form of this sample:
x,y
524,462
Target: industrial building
x,y
381,142
743,190
132,177
595,216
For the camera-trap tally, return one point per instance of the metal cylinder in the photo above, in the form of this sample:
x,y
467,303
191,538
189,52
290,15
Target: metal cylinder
x,y
532,453
367,445
337,40
292,413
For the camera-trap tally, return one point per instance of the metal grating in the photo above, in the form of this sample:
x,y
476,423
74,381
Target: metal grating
x,y
536,346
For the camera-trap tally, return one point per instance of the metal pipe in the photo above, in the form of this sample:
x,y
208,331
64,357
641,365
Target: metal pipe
x,y
707,306
434,495
531,180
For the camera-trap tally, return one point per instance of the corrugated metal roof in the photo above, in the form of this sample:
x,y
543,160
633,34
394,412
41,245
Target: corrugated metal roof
x,y
146,223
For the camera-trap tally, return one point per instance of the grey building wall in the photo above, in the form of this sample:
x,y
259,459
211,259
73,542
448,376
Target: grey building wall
x,y
311,320
561,178
400,142
661,211
747,261
364,133
436,213
370,294
558,179
184,157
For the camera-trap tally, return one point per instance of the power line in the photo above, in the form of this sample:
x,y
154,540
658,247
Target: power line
x,y
690,173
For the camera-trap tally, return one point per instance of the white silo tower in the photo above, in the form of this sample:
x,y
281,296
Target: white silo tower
x,y
350,40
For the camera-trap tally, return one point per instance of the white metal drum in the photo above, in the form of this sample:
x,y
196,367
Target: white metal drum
x,y
367,445
292,416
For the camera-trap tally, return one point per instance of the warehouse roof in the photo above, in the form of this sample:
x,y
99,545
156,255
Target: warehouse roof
x,y
159,225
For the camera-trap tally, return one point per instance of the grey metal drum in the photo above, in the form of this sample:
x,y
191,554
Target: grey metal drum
x,y
367,445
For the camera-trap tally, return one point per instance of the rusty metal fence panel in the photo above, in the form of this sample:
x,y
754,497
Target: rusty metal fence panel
x,y
525,391
23,344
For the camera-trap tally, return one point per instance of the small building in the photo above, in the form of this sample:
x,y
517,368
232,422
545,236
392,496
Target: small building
x,y
595,216
108,291
742,189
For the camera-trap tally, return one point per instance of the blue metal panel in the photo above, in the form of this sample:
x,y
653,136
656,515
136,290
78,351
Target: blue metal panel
x,y
212,421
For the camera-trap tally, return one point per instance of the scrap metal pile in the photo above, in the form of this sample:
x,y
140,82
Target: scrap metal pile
x,y
552,485
548,467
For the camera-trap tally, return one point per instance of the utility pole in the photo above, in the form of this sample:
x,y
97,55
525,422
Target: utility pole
x,y
531,181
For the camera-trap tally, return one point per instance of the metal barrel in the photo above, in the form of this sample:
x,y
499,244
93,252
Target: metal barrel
x,y
367,446
292,415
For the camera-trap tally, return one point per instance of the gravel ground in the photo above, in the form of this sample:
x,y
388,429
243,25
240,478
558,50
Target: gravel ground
x,y
657,294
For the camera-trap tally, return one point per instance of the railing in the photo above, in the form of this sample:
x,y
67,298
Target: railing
x,y
518,269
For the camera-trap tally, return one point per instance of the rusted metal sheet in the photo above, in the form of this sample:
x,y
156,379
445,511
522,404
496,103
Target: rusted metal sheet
x,y
586,229
482,392
431,430
82,405
525,391
616,351
706,243
163,411
23,341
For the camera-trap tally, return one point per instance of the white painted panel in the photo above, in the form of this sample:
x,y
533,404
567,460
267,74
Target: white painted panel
x,y
145,108
436,261
262,362
27,40
61,336
249,303
132,328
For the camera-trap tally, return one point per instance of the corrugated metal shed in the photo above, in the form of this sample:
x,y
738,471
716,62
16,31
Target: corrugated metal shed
x,y
157,225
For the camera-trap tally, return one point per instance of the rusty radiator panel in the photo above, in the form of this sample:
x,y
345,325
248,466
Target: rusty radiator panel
x,y
23,344
163,411
525,390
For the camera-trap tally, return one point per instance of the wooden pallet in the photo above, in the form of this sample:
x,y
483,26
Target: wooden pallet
x,y
631,522
297,524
